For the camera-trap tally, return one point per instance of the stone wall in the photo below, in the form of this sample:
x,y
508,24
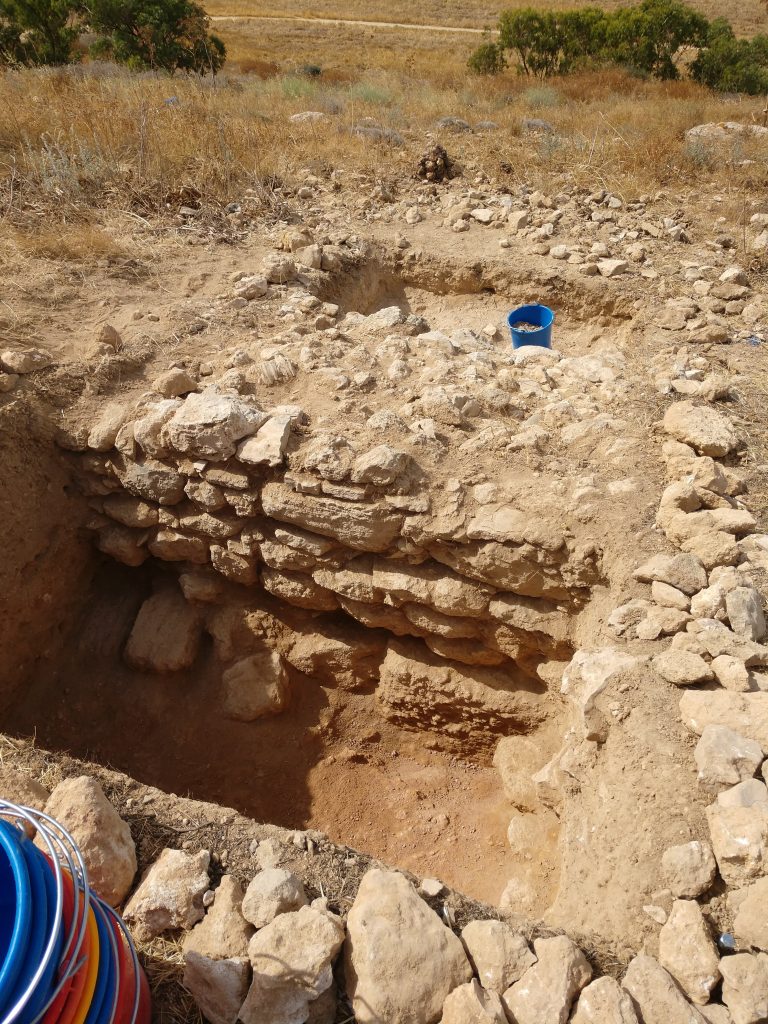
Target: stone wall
x,y
459,601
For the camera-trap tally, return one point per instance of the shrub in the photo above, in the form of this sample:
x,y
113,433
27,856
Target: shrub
x,y
648,36
366,92
487,59
165,34
728,64
38,31
541,96
535,37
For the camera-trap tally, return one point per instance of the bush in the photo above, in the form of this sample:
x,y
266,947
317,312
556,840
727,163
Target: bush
x,y
728,64
39,32
535,37
168,35
648,36
487,59
165,34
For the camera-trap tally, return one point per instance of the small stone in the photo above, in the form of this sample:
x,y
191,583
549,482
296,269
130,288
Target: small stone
x,y
166,634
745,987
21,788
381,466
732,673
174,383
685,572
292,960
682,668
271,892
669,597
656,996
25,361
656,913
689,869
170,895
108,422
499,954
603,1001
255,686
749,907
704,429
105,842
472,1004
269,445
725,757
431,887
713,548
612,268
547,990
223,933
219,987
687,951
278,269
401,962
745,612
208,425
748,793
739,837
110,336
715,1013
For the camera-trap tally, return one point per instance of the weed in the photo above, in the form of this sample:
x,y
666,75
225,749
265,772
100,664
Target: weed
x,y
295,88
539,97
367,92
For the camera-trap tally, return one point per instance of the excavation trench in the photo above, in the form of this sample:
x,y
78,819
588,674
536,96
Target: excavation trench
x,y
394,688
317,632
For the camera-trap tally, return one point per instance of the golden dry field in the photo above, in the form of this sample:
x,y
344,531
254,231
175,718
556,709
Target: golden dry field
x,y
747,16
267,39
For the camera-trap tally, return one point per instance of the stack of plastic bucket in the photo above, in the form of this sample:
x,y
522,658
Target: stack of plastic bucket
x,y
65,956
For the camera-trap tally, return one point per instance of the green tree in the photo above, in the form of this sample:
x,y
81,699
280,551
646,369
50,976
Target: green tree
x,y
38,31
583,34
535,39
728,64
487,59
650,35
165,34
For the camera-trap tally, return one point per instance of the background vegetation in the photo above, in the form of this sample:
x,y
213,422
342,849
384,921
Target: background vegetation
x,y
169,34
660,38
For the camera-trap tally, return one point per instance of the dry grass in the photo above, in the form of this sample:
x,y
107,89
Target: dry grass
x,y
79,243
747,16
79,141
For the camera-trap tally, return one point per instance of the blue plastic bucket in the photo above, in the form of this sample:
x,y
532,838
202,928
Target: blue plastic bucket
x,y
541,316
15,911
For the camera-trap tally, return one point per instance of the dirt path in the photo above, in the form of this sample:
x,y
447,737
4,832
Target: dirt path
x,y
344,21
